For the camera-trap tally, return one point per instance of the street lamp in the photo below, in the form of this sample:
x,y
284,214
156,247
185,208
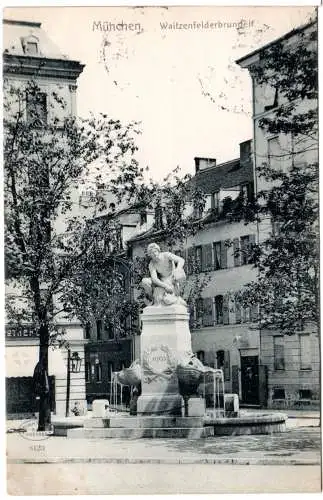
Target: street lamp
x,y
76,362
73,366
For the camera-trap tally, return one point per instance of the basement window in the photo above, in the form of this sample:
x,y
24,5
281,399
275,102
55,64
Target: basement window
x,y
305,394
279,393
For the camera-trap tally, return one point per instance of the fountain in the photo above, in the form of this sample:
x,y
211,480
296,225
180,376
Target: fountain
x,y
169,375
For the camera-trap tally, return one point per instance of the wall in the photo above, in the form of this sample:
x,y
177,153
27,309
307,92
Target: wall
x,y
292,378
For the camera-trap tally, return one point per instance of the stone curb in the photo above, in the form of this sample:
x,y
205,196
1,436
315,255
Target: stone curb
x,y
182,461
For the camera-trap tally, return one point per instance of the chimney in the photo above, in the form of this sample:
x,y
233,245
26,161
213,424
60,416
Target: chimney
x,y
204,163
245,151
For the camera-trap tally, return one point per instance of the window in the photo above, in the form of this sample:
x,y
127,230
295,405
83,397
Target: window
x,y
220,255
217,255
305,352
87,372
31,48
305,394
246,243
194,260
30,45
143,218
36,108
236,251
279,354
201,356
198,258
238,311
246,192
99,329
88,331
244,247
275,154
215,202
271,97
207,318
219,309
220,360
207,263
98,372
109,330
246,315
278,393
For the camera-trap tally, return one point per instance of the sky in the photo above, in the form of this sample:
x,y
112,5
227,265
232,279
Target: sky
x,y
182,85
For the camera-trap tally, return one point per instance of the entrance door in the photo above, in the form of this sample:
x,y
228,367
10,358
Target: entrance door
x,y
250,379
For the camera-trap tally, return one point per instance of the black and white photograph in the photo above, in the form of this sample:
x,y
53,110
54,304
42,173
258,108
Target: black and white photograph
x,y
161,250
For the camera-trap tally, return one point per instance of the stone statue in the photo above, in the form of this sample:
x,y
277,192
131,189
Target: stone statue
x,y
166,274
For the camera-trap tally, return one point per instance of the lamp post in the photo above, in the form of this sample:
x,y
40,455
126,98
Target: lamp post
x,y
73,366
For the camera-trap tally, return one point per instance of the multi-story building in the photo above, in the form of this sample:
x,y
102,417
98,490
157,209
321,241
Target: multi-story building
x,y
224,334
28,54
108,348
293,361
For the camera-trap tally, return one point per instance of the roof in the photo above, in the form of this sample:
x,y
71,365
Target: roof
x,y
15,31
224,176
46,61
277,40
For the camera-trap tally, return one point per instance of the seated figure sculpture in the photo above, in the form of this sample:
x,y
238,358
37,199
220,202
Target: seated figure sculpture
x,y
166,274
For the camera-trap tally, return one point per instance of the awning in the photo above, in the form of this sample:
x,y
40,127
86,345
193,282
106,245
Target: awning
x,y
21,361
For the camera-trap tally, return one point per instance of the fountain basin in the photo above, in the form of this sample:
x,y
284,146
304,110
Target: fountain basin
x,y
247,424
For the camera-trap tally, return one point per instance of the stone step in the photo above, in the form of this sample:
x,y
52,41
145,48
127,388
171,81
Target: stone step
x,y
137,433
143,422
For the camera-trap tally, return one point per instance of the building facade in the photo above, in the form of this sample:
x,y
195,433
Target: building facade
x,y
224,335
293,361
29,55
108,348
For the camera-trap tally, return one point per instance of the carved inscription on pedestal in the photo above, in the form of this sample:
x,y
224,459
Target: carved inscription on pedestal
x,y
159,363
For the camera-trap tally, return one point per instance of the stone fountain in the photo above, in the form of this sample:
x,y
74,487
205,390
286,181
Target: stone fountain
x,y
168,371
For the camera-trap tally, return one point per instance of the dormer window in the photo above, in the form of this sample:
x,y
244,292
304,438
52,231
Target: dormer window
x,y
30,45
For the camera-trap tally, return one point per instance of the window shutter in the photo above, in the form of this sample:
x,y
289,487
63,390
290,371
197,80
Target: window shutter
x,y
199,312
207,312
254,312
207,257
226,369
224,251
190,260
236,255
252,241
225,310
238,311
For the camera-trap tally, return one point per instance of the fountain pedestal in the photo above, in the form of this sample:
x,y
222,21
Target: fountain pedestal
x,y
165,339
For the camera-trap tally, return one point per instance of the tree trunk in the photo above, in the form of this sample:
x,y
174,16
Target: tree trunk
x,y
44,418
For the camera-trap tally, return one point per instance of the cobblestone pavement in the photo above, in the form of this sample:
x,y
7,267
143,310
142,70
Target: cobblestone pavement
x,y
298,445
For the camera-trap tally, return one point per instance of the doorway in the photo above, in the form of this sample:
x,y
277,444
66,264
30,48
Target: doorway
x,y
250,380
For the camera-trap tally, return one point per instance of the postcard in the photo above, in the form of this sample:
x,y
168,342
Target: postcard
x,y
161,250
